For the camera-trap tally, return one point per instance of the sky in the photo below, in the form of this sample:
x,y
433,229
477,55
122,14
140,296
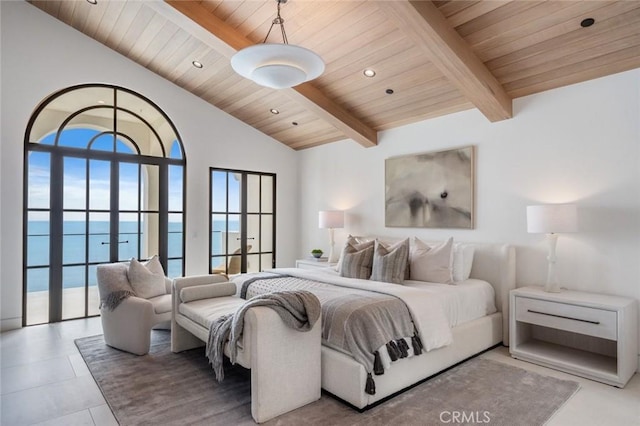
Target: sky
x,y
75,177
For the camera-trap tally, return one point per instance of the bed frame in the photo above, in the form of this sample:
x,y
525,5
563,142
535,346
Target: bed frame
x,y
345,378
340,374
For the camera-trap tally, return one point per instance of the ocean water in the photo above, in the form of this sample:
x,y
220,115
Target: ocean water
x,y
74,249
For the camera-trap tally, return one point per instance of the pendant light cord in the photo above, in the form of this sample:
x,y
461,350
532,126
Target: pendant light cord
x,y
278,21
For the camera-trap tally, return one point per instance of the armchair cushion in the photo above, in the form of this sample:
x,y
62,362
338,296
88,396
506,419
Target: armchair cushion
x,y
147,279
113,285
161,304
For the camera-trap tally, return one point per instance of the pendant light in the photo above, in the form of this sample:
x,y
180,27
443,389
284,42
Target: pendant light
x,y
277,65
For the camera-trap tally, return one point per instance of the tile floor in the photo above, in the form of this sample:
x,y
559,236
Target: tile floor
x,y
44,381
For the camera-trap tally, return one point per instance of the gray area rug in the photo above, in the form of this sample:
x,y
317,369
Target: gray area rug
x,y
163,388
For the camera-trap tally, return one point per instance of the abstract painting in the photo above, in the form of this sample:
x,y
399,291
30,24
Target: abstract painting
x,y
430,190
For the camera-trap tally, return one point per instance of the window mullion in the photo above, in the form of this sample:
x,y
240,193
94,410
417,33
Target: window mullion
x,y
55,237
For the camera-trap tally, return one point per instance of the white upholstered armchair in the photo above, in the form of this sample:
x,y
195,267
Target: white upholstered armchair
x,y
128,313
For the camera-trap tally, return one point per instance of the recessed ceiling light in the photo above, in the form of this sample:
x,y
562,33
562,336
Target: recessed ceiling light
x,y
94,2
274,111
197,64
389,91
587,22
369,72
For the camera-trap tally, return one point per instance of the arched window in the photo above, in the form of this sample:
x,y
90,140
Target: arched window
x,y
104,182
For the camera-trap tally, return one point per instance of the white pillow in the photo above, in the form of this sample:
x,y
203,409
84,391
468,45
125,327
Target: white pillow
x,y
147,279
432,264
462,261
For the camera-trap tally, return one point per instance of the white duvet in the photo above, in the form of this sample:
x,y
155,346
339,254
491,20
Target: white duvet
x,y
427,312
435,308
463,302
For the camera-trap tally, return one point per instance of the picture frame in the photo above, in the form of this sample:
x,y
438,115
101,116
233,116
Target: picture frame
x,y
431,189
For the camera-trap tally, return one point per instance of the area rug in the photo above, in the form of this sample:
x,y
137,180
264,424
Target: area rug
x,y
163,388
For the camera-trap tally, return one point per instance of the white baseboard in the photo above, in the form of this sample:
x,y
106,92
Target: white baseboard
x,y
7,324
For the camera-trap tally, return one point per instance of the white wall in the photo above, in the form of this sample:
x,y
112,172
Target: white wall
x,y
40,55
578,144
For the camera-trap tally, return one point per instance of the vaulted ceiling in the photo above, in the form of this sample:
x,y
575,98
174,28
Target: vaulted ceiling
x,y
436,57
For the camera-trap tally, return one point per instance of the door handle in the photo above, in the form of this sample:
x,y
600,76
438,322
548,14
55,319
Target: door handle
x,y
119,242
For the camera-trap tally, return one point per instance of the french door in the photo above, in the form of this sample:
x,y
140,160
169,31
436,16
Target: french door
x,y
104,182
242,224
106,208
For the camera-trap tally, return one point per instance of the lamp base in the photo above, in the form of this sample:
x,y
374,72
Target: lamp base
x,y
552,285
333,258
552,288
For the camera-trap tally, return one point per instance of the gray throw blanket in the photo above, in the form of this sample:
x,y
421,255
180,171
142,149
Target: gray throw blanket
x,y
362,323
357,322
298,309
113,299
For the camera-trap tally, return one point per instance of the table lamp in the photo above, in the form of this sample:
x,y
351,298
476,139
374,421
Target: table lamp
x,y
331,219
552,219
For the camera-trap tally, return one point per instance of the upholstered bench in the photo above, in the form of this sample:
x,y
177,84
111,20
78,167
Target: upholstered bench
x,y
284,363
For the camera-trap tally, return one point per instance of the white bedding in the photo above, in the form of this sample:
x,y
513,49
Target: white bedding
x,y
445,306
463,302
427,313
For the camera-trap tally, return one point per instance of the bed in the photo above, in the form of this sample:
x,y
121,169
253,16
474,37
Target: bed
x,y
474,327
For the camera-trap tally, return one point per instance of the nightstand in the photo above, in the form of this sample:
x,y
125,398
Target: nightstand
x,y
314,264
586,334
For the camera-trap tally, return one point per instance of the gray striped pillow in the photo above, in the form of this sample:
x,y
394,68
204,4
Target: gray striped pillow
x,y
358,245
356,261
390,262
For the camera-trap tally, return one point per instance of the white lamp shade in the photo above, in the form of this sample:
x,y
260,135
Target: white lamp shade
x,y
552,218
277,66
278,76
331,219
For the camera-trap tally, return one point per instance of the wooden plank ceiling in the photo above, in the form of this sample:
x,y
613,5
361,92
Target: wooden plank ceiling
x,y
437,57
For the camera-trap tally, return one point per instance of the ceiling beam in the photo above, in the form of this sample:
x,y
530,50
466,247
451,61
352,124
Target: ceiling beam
x,y
227,41
447,50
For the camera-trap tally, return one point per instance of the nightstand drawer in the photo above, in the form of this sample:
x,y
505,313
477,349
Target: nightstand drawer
x,y
578,319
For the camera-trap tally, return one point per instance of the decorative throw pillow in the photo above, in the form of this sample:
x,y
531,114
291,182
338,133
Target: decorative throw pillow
x,y
390,262
357,261
147,279
350,240
353,241
113,284
462,261
362,239
432,264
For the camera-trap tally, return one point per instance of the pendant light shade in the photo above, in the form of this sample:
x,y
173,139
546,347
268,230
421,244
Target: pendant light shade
x,y
277,65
